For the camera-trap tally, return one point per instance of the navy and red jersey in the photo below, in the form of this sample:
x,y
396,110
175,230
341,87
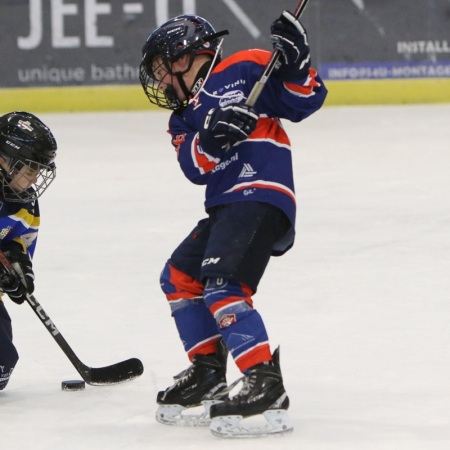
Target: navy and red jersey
x,y
259,168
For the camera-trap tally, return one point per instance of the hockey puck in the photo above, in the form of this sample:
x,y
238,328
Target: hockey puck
x,y
73,385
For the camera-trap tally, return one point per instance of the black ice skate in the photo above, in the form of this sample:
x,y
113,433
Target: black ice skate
x,y
203,383
262,397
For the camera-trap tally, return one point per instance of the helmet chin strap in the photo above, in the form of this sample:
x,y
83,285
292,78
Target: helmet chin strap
x,y
184,88
180,79
204,72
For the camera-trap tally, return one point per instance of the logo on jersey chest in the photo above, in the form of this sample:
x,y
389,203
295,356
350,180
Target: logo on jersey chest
x,y
4,232
231,97
247,171
230,86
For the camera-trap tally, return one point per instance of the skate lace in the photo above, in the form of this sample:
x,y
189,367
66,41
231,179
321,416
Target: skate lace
x,y
184,376
248,383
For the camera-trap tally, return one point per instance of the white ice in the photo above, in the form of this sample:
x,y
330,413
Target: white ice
x,y
360,306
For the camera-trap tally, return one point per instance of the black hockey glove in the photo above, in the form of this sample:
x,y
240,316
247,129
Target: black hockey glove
x,y
22,282
289,37
223,127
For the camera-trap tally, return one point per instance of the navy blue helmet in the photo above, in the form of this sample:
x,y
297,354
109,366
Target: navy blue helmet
x,y
182,35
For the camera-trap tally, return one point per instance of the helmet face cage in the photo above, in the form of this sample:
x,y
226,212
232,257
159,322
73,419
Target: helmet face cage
x,y
159,93
45,175
183,35
28,149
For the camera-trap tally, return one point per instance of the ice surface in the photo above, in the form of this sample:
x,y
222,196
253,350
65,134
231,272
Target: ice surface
x,y
360,305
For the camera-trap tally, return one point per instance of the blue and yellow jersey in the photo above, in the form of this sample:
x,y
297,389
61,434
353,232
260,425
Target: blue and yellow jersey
x,y
19,222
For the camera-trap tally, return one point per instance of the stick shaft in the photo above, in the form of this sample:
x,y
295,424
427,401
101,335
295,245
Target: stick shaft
x,y
115,373
56,335
96,376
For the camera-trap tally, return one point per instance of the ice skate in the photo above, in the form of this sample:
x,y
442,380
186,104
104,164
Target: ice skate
x,y
259,409
188,400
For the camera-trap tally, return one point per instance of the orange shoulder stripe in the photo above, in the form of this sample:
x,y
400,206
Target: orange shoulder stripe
x,y
257,56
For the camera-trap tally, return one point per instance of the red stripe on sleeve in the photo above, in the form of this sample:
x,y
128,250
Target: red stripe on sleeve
x,y
202,161
270,129
306,89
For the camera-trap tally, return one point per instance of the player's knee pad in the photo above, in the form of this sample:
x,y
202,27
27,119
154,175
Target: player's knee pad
x,y
179,287
228,301
195,325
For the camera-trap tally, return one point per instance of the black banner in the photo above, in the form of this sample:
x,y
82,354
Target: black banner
x,y
98,42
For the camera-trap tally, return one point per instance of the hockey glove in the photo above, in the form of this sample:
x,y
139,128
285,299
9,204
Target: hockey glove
x,y
22,282
223,127
289,37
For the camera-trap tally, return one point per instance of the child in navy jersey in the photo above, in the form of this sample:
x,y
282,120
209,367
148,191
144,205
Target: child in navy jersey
x,y
243,157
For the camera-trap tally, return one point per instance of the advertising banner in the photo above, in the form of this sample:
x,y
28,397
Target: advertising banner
x,y
380,39
50,43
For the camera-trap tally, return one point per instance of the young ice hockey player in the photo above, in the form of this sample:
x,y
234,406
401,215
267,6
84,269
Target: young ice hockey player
x,y
243,157
27,153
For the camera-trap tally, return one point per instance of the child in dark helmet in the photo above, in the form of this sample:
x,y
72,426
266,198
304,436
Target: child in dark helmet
x,y
27,153
243,157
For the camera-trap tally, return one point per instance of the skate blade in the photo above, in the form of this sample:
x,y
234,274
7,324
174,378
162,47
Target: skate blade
x,y
270,423
181,416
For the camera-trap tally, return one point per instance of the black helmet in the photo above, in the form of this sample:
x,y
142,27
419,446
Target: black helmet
x,y
182,35
25,141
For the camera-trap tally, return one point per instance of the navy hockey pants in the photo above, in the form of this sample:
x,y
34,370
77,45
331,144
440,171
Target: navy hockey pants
x,y
235,242
211,276
8,353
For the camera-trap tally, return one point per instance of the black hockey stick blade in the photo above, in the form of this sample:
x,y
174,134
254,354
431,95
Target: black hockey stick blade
x,y
97,376
116,373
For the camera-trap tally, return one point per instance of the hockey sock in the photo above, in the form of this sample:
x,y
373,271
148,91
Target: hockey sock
x,y
240,325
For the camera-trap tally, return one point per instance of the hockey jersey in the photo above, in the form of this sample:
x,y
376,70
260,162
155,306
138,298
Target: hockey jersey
x,y
19,222
260,167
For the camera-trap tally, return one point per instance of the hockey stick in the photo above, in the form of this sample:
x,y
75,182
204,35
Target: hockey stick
x,y
259,85
95,376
